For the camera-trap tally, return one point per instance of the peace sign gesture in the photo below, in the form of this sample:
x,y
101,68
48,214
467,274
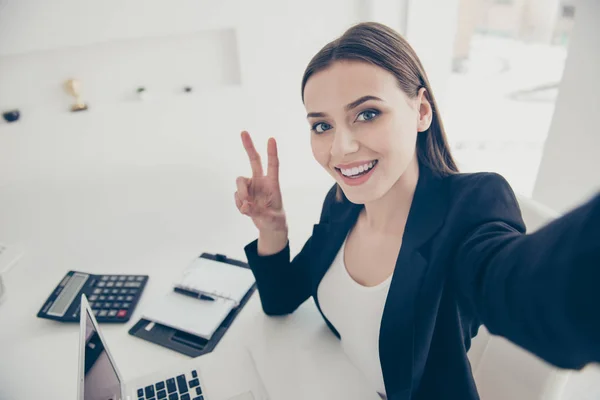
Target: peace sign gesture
x,y
259,197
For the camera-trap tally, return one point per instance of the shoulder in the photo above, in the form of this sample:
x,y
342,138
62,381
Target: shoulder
x,y
477,181
480,186
482,197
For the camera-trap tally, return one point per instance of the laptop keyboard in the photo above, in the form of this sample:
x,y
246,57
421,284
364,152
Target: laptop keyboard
x,y
181,387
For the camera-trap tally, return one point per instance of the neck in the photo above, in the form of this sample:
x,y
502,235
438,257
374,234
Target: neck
x,y
389,213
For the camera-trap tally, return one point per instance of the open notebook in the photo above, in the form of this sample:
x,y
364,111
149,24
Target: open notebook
x,y
217,279
226,283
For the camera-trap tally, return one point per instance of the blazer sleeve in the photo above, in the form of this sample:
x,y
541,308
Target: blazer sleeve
x,y
283,285
541,290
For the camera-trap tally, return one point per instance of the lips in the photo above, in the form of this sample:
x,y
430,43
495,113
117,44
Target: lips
x,y
360,177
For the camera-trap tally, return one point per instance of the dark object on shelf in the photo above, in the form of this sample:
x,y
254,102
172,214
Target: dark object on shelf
x,y
11,116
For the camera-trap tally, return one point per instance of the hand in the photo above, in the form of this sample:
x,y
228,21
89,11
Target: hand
x,y
259,197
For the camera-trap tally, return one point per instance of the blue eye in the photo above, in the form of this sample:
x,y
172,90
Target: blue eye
x,y
367,115
321,127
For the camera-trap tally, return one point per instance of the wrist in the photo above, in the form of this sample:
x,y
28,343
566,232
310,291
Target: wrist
x,y
272,242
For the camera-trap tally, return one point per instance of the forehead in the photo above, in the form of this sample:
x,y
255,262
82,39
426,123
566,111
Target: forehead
x,y
346,81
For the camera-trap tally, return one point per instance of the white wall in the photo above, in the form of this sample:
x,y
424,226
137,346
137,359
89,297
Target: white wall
x,y
568,172
244,59
431,29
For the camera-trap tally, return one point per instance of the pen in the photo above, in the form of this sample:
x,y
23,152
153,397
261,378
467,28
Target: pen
x,y
193,294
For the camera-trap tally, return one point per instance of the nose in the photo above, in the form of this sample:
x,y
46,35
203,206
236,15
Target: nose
x,y
343,143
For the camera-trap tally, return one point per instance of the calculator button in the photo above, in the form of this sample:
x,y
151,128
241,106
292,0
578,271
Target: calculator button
x,y
102,298
120,298
126,305
185,396
115,291
117,305
104,278
95,312
123,291
112,313
129,298
140,392
194,383
122,278
195,374
101,284
110,284
132,284
133,291
113,278
102,313
105,291
131,278
97,291
139,278
161,394
93,297
198,391
119,284
160,386
107,305
111,298
122,313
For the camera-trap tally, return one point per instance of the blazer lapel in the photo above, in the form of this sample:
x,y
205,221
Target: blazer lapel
x,y
399,332
327,238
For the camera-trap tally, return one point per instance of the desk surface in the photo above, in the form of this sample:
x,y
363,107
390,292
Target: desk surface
x,y
132,225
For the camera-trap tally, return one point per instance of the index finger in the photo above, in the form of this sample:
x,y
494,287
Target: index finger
x,y
253,155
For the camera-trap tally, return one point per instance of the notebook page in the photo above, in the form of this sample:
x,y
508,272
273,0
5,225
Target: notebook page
x,y
188,314
217,279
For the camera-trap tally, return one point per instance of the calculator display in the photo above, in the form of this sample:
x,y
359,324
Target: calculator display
x,y
62,303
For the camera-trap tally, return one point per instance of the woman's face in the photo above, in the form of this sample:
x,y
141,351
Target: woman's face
x,y
363,127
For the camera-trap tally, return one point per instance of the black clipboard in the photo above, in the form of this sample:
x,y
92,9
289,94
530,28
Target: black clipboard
x,y
185,343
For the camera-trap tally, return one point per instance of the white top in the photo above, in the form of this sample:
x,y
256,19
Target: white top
x,y
355,311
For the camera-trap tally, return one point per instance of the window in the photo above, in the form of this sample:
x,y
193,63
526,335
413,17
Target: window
x,y
507,66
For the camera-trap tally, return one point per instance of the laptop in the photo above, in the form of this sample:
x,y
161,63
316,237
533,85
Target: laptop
x,y
213,376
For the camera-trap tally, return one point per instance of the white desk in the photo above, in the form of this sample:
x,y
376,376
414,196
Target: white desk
x,y
152,223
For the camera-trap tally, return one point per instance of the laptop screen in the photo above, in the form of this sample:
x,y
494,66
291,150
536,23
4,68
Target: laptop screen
x,y
101,381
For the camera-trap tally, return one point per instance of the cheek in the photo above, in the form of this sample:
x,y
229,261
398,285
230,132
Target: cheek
x,y
401,143
320,149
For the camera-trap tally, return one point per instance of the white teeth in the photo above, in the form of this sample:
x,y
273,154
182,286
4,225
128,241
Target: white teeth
x,y
357,170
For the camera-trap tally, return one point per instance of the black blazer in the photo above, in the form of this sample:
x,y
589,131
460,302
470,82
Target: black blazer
x,y
465,260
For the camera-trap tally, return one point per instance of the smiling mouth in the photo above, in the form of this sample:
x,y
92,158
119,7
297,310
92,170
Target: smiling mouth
x,y
356,172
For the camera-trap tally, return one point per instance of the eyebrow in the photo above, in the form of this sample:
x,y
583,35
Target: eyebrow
x,y
348,107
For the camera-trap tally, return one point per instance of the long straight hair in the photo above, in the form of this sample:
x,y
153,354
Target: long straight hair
x,y
380,45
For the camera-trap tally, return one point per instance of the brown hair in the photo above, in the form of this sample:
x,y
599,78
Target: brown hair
x,y
380,45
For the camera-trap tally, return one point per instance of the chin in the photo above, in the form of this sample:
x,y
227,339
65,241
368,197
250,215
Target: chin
x,y
359,195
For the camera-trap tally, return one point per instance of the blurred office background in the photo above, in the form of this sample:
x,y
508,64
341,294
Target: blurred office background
x,y
516,81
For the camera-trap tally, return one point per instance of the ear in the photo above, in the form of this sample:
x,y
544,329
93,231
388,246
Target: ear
x,y
425,111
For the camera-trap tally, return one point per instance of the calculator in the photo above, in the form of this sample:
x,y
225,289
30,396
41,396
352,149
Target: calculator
x,y
112,297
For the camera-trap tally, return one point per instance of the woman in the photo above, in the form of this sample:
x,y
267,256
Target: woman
x,y
409,256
